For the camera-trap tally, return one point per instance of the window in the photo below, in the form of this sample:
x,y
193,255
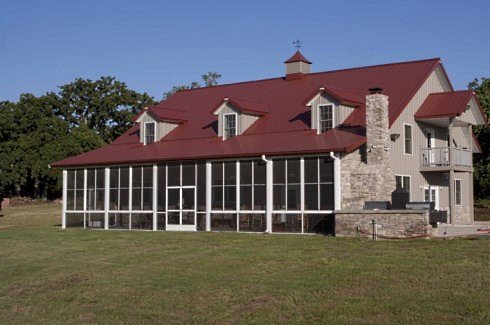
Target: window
x,y
223,184
403,181
95,189
319,184
142,198
149,132
457,191
74,190
407,135
230,125
325,117
252,185
287,184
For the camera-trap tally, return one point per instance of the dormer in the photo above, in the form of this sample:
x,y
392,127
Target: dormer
x,y
330,107
236,115
156,122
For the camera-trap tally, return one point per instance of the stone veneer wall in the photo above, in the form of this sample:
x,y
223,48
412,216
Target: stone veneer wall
x,y
366,174
391,223
462,214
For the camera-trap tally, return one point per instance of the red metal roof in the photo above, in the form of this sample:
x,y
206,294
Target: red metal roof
x,y
341,95
164,114
297,57
285,130
447,104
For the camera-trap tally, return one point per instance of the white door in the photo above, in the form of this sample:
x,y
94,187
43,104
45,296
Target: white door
x,y
431,143
431,194
181,208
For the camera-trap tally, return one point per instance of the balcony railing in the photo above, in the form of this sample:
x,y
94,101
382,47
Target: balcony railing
x,y
445,157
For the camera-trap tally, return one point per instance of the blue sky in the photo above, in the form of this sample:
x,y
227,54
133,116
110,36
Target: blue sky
x,y
152,45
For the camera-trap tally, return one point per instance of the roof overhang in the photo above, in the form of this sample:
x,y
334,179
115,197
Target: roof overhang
x,y
160,115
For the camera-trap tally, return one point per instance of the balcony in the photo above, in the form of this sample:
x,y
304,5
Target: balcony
x,y
445,158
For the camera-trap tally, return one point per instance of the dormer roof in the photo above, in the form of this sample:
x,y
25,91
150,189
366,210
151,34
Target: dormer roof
x,y
163,114
343,96
247,106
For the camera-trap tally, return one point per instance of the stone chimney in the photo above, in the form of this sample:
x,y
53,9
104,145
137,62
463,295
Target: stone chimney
x,y
297,66
378,145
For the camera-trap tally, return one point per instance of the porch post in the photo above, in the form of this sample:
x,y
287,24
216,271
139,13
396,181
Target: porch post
x,y
471,189
85,194
451,172
63,199
130,196
155,195
302,192
208,196
336,183
268,186
106,198
237,195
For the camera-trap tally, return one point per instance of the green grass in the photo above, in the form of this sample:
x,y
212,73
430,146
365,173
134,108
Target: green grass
x,y
49,275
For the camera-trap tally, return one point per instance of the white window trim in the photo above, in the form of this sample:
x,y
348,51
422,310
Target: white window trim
x,y
409,182
223,123
154,132
411,140
318,116
437,200
460,192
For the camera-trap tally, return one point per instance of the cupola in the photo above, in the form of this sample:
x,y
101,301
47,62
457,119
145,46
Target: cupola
x,y
297,66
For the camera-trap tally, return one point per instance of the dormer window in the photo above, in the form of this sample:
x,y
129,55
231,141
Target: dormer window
x,y
325,117
149,132
230,125
236,115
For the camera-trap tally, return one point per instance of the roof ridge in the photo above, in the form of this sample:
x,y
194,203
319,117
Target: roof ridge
x,y
312,73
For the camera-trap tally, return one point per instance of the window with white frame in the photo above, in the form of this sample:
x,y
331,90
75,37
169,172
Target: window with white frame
x,y
119,189
229,125
142,195
252,185
286,184
95,189
223,185
403,181
407,136
325,117
457,192
318,190
74,190
150,132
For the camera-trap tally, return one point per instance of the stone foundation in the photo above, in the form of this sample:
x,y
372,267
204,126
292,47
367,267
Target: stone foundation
x,y
463,215
390,223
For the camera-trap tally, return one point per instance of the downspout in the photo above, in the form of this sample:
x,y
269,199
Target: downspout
x,y
268,186
336,180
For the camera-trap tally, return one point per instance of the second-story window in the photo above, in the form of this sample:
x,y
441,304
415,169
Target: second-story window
x,y
325,118
149,132
230,125
407,135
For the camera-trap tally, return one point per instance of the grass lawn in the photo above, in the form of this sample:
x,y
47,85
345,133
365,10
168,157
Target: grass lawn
x,y
49,275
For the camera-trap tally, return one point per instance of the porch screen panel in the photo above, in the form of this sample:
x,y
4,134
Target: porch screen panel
x,y
279,187
162,183
74,190
201,187
259,195
293,184
326,184
142,188
246,185
217,186
230,185
95,189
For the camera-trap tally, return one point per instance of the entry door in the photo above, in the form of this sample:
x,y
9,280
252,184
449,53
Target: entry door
x,y
431,194
181,208
431,143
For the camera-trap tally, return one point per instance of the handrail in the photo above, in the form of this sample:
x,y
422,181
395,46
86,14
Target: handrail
x,y
445,156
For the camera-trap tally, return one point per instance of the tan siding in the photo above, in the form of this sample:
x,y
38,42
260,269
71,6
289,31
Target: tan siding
x,y
244,121
161,128
473,115
409,164
298,67
341,112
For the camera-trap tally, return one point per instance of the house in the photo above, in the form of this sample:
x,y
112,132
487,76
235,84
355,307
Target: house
x,y
285,154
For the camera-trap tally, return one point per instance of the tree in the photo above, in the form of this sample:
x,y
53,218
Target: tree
x,y
482,161
104,105
210,79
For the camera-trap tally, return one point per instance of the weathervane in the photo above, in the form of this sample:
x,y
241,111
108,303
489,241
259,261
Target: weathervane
x,y
297,44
